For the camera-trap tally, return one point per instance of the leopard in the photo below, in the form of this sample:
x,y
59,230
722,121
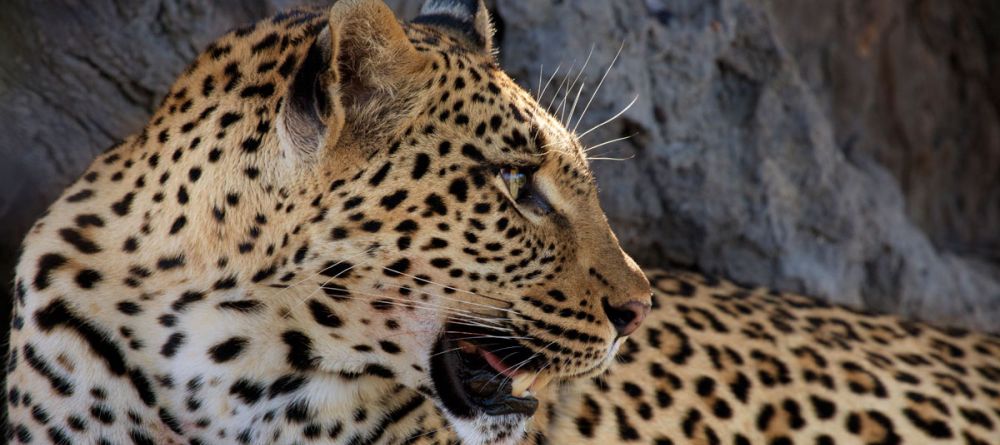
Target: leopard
x,y
342,228
336,227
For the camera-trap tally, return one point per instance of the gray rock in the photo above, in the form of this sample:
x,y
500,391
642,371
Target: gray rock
x,y
736,168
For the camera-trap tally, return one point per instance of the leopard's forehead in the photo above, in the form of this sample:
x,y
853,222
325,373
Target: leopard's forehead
x,y
470,94
250,69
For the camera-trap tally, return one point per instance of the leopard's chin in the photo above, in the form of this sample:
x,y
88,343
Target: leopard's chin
x,y
491,430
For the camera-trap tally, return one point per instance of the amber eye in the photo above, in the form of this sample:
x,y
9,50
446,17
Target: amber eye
x,y
516,180
521,186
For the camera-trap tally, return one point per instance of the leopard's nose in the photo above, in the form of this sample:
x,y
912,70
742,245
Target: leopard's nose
x,y
627,317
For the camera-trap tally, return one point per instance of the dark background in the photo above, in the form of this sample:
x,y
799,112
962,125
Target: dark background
x,y
848,149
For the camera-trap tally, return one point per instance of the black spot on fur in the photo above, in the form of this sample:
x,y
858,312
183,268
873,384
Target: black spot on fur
x,y
248,391
392,201
142,386
228,350
471,152
298,411
264,274
87,278
250,145
397,268
167,263
299,350
58,315
77,240
173,343
389,347
46,264
82,195
267,42
380,175
246,306
435,205
186,299
285,384
228,282
88,220
178,224
230,118
263,91
60,384
140,437
324,315
124,205
170,421
420,166
459,188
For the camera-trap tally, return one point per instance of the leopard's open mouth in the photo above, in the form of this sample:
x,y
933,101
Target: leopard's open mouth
x,y
480,371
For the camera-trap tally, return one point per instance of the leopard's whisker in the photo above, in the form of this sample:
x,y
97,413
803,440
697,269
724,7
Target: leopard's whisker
x,y
423,304
599,85
433,330
500,374
471,303
612,141
541,73
446,351
413,437
475,324
611,119
319,272
458,348
401,302
562,84
400,273
613,159
451,287
572,86
541,95
579,91
523,363
337,275
475,336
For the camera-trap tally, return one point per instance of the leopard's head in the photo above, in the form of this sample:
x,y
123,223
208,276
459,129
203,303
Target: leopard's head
x,y
441,230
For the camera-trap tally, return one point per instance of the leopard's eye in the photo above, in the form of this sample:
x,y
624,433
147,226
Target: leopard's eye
x,y
520,185
516,180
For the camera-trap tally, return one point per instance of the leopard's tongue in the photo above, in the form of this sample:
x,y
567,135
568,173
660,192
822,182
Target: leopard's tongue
x,y
499,365
523,383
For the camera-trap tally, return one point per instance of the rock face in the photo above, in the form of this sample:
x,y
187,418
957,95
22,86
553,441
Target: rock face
x,y
768,143
743,166
914,85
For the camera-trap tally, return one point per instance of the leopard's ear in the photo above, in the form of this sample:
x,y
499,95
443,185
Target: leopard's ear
x,y
470,18
355,68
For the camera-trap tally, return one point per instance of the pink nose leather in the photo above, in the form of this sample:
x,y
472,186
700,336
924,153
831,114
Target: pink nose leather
x,y
627,317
